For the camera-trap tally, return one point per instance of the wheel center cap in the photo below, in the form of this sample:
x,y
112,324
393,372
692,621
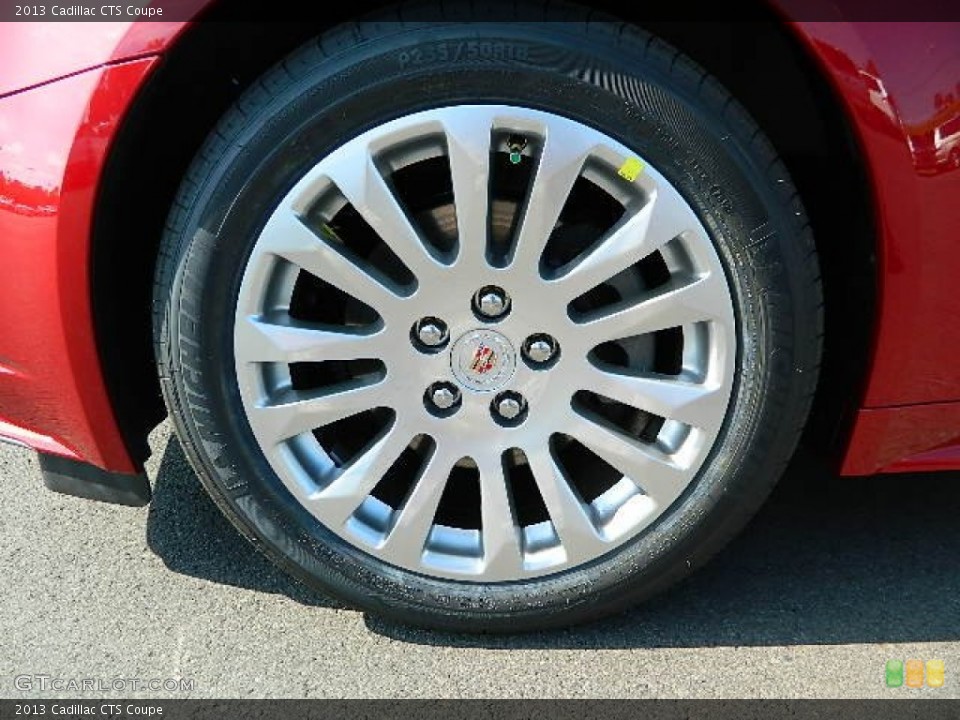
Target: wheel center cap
x,y
483,360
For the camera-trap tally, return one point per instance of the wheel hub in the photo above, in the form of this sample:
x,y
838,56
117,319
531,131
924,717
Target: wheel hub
x,y
483,360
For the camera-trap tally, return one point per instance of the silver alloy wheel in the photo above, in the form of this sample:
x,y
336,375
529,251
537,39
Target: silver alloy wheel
x,y
483,357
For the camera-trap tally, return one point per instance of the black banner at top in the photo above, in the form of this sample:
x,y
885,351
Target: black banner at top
x,y
495,11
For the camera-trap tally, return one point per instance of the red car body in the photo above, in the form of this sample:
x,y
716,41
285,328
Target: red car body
x,y
66,94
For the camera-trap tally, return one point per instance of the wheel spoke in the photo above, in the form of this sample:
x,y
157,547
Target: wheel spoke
x,y
287,237
347,491
568,513
662,218
675,304
561,162
367,191
407,538
647,468
297,412
700,405
287,341
501,539
468,147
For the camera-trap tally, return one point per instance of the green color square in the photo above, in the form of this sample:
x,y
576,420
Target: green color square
x,y
894,673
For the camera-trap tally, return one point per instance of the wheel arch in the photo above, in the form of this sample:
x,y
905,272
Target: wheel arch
x,y
211,63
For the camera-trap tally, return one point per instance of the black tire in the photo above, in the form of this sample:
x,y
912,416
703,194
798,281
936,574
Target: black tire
x,y
614,77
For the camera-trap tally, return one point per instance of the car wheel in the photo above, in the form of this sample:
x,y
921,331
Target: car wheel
x,y
488,326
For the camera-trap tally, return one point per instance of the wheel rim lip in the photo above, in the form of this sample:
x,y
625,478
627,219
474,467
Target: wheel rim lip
x,y
447,553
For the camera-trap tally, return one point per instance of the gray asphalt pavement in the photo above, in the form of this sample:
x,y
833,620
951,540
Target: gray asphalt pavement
x,y
833,578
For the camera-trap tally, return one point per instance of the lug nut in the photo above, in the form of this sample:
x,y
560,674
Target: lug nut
x,y
540,349
443,396
430,332
509,406
491,302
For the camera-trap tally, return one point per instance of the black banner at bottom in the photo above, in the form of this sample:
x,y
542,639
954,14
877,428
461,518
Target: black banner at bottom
x,y
485,709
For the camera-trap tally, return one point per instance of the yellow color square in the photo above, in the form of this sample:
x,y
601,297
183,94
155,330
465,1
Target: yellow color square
x,y
914,673
631,169
935,673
